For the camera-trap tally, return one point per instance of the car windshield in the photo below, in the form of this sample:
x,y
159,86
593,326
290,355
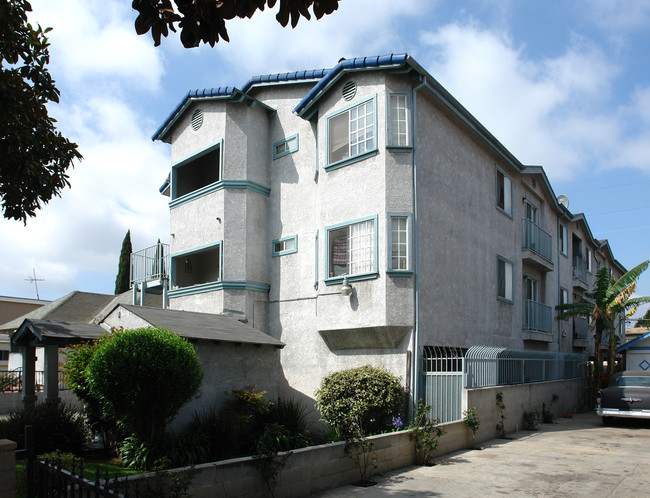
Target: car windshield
x,y
631,382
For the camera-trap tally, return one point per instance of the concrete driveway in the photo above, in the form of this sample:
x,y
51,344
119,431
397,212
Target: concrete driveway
x,y
571,457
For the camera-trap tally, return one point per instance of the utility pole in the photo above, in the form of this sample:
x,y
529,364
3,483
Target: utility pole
x,y
35,281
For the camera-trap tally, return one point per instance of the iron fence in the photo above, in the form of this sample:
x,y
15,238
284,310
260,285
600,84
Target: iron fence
x,y
152,263
12,381
55,481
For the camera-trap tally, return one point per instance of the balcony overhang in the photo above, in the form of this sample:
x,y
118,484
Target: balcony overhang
x,y
536,336
535,260
383,337
580,284
580,343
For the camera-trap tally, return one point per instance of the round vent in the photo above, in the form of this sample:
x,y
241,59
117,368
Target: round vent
x,y
197,119
349,90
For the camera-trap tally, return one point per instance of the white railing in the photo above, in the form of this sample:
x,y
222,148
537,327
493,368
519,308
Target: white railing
x,y
538,240
152,263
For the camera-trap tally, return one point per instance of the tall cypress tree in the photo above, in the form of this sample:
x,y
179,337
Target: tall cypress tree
x,y
122,282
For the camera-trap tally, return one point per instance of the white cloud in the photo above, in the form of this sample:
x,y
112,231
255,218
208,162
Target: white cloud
x,y
620,15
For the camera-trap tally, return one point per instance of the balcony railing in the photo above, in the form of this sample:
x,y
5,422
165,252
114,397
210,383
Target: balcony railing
x,y
580,329
152,263
538,317
580,269
12,381
536,239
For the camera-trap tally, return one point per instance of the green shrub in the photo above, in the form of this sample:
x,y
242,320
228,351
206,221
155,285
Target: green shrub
x,y
56,427
142,378
170,451
360,399
424,433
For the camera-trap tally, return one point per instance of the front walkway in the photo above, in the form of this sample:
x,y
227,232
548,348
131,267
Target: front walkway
x,y
572,457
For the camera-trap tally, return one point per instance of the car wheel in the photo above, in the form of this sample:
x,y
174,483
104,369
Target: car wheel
x,y
608,420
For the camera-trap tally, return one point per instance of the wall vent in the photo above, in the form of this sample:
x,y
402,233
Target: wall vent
x,y
197,119
349,90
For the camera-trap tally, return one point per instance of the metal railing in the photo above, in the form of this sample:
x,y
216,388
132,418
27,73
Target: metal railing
x,y
580,269
538,317
54,480
152,263
580,329
442,369
537,239
12,381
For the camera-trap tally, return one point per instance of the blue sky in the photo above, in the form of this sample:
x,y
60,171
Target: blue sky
x,y
562,84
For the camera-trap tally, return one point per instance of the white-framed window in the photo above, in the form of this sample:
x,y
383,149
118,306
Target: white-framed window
x,y
564,240
197,266
351,133
352,248
504,192
590,257
285,146
564,296
197,172
398,119
531,288
504,279
399,243
285,245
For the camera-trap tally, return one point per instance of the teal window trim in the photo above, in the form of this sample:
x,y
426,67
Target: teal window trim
x,y
357,276
316,261
507,189
504,298
563,240
559,297
195,250
389,123
358,157
192,158
282,242
399,272
217,286
221,185
290,143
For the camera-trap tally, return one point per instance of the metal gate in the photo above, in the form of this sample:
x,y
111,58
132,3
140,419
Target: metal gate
x,y
442,371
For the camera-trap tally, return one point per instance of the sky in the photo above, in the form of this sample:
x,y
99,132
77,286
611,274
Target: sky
x,y
564,84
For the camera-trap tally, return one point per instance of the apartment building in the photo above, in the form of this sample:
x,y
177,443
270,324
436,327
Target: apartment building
x,y
361,214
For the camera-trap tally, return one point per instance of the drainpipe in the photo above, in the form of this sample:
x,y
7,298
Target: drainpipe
x,y
559,273
415,362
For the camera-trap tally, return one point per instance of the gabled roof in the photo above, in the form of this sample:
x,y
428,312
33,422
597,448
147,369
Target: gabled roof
x,y
634,341
54,332
204,326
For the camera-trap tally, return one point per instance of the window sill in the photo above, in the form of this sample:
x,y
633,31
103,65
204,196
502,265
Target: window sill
x,y
351,278
399,273
504,300
351,160
399,148
503,211
220,185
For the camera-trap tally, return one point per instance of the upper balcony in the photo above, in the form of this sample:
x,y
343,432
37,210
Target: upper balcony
x,y
580,273
538,322
151,265
538,245
580,332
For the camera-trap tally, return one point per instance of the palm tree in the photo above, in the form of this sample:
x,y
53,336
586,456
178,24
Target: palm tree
x,y
609,303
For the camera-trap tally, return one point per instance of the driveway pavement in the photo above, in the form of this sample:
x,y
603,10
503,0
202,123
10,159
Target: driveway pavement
x,y
572,457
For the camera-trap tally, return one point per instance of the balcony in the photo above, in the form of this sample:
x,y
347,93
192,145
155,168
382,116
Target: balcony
x,y
539,243
580,273
150,265
538,322
580,332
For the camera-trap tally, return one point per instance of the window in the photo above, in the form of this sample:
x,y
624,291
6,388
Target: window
x,y
564,296
4,355
532,288
351,248
351,133
285,146
504,279
399,243
564,240
504,192
286,245
398,120
197,266
197,172
532,213
590,267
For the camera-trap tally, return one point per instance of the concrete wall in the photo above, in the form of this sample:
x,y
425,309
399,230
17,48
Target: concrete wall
x,y
10,402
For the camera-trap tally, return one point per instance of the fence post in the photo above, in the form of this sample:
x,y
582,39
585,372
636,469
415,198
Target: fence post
x,y
7,468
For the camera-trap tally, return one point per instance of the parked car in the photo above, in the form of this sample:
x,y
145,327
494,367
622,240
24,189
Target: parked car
x,y
628,395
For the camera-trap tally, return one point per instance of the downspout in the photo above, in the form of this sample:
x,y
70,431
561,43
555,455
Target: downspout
x,y
415,361
559,273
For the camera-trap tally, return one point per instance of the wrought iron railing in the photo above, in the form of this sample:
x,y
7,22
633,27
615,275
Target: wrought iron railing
x,y
538,240
538,317
12,381
580,329
152,263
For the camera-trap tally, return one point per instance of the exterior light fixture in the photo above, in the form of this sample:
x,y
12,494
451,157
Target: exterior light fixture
x,y
346,288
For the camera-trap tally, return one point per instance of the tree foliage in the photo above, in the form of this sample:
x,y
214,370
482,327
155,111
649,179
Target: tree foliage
x,y
364,398
607,304
644,321
205,20
123,279
142,377
35,156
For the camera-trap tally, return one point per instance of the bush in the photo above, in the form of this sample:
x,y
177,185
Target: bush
x,y
142,377
360,399
56,427
170,451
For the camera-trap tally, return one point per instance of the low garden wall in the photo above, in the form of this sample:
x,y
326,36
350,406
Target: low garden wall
x,y
318,468
10,402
